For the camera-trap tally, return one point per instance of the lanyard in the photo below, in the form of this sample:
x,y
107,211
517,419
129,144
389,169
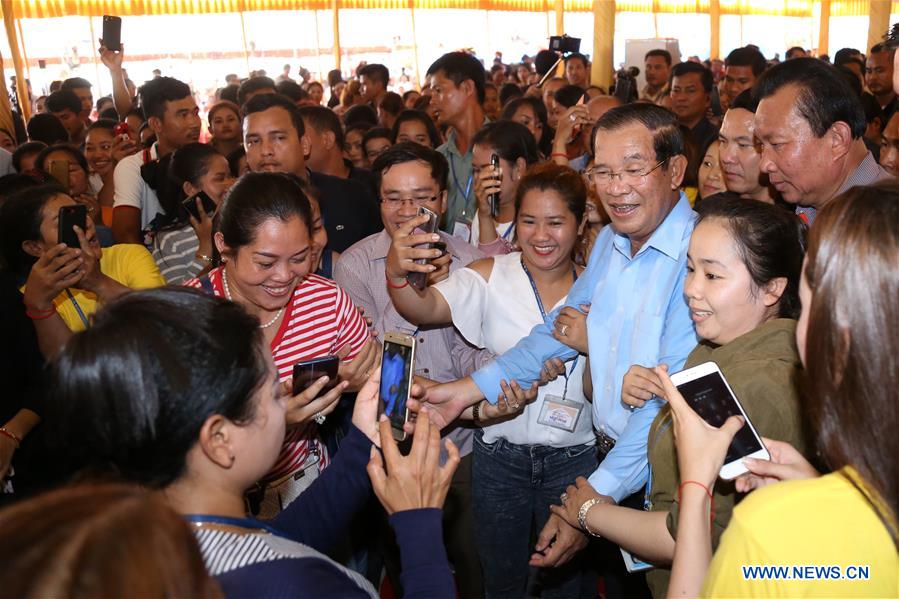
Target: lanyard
x,y
506,236
458,186
78,308
543,315
238,522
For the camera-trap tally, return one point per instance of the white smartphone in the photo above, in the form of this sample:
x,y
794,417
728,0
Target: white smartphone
x,y
397,368
706,390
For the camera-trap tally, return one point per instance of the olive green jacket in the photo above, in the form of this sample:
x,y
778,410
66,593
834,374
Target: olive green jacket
x,y
761,368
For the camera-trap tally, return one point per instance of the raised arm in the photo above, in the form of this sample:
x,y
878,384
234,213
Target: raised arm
x,y
418,307
112,59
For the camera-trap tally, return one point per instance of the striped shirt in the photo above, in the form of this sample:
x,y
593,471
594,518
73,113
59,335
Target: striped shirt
x,y
226,552
319,319
175,254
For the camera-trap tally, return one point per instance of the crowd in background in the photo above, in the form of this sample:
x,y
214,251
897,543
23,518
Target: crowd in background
x,y
591,243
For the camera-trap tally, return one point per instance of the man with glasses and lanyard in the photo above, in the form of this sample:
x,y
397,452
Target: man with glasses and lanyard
x,y
409,176
639,317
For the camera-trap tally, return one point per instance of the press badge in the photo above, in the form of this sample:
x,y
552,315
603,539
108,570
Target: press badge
x,y
462,230
558,412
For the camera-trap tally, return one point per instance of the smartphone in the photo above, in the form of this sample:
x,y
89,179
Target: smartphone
x,y
707,392
71,216
419,280
307,372
112,32
121,128
493,198
397,367
190,204
59,170
41,63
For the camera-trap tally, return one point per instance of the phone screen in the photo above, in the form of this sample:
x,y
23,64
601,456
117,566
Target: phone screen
x,y
306,373
396,376
712,400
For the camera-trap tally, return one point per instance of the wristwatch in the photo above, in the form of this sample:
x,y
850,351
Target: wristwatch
x,y
582,514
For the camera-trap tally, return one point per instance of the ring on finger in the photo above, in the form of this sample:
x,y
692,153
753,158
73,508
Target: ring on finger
x,y
564,497
563,331
319,418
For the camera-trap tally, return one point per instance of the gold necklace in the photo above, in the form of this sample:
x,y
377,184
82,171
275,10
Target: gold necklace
x,y
228,295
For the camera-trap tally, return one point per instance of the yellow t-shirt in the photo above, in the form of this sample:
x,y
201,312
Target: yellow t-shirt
x,y
825,523
128,263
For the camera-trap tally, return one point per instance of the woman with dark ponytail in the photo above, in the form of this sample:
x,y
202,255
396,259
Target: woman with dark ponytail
x,y
182,246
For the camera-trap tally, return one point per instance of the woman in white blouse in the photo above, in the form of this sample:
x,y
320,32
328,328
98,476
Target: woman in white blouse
x,y
522,464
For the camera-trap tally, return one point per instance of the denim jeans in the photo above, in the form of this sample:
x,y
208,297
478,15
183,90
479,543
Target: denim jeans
x,y
514,486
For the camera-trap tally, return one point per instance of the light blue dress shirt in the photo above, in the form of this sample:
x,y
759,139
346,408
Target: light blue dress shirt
x,y
638,315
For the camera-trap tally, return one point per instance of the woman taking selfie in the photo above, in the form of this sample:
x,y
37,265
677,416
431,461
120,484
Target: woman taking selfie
x,y
742,284
847,338
494,303
266,244
514,146
177,392
63,286
182,247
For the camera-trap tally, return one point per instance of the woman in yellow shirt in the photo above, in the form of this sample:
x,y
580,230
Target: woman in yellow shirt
x,y
834,535
63,285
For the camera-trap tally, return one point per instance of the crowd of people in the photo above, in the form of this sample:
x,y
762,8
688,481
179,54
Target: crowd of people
x,y
592,242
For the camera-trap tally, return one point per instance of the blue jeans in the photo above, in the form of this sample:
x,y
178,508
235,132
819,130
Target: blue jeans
x,y
513,487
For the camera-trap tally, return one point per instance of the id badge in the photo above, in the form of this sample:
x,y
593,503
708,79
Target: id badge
x,y
462,230
634,563
560,413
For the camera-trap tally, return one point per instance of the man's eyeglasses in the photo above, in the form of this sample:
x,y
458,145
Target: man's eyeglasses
x,y
632,176
397,202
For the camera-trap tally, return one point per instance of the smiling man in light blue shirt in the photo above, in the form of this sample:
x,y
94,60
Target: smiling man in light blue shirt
x,y
634,283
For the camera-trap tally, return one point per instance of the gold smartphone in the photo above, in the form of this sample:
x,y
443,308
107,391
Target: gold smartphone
x,y
59,170
397,368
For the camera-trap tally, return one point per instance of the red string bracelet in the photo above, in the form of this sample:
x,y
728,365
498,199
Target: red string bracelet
x,y
7,433
40,314
391,285
707,492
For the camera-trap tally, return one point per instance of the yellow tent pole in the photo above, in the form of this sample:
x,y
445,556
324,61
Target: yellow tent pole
x,y
246,52
5,107
824,28
559,8
603,42
415,44
9,20
878,21
715,28
24,49
335,23
94,44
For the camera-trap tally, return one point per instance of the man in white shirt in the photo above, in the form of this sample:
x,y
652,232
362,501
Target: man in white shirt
x,y
172,114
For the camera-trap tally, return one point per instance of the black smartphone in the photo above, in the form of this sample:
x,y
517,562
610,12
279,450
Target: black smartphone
x,y
307,372
190,204
71,216
419,280
112,32
41,63
493,198
397,367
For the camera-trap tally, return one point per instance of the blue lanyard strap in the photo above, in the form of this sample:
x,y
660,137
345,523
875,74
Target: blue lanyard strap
x,y
238,522
77,308
509,232
452,162
543,315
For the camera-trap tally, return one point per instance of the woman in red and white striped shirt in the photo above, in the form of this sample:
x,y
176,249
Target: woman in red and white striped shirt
x,y
265,241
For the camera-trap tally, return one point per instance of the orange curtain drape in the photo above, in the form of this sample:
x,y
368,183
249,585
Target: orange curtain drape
x,y
31,9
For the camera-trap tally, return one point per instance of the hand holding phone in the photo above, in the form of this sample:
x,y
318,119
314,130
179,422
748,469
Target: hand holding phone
x,y
419,280
397,368
69,217
702,392
493,198
190,205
